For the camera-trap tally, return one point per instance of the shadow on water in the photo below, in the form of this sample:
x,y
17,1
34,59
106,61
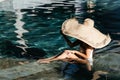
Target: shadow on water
x,y
111,22
10,49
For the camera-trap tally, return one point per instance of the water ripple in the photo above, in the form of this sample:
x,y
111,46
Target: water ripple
x,y
36,23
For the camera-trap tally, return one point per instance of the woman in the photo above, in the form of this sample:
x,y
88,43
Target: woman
x,y
87,37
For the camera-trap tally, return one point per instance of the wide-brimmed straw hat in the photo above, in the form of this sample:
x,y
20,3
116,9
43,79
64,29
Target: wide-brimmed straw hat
x,y
85,32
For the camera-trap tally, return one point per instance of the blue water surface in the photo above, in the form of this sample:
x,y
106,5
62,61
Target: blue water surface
x,y
37,23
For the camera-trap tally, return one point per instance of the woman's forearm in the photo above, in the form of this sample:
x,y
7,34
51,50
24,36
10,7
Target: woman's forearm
x,y
80,54
81,61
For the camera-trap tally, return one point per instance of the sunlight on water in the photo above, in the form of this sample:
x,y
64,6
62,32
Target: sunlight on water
x,y
37,23
20,30
1,0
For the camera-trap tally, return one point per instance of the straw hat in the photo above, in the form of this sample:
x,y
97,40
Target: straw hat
x,y
85,32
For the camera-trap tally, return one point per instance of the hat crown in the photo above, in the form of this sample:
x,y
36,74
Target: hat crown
x,y
89,22
69,24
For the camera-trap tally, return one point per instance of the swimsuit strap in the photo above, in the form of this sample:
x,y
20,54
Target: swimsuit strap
x,y
90,59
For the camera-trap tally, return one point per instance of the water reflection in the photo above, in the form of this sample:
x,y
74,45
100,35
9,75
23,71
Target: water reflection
x,y
39,21
91,5
20,30
1,0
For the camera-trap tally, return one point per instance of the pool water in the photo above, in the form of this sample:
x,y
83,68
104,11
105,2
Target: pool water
x,y
37,24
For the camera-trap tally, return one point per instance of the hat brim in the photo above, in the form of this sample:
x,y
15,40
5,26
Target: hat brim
x,y
87,34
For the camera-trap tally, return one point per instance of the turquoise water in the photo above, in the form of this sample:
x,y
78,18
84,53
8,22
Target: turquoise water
x,y
36,24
